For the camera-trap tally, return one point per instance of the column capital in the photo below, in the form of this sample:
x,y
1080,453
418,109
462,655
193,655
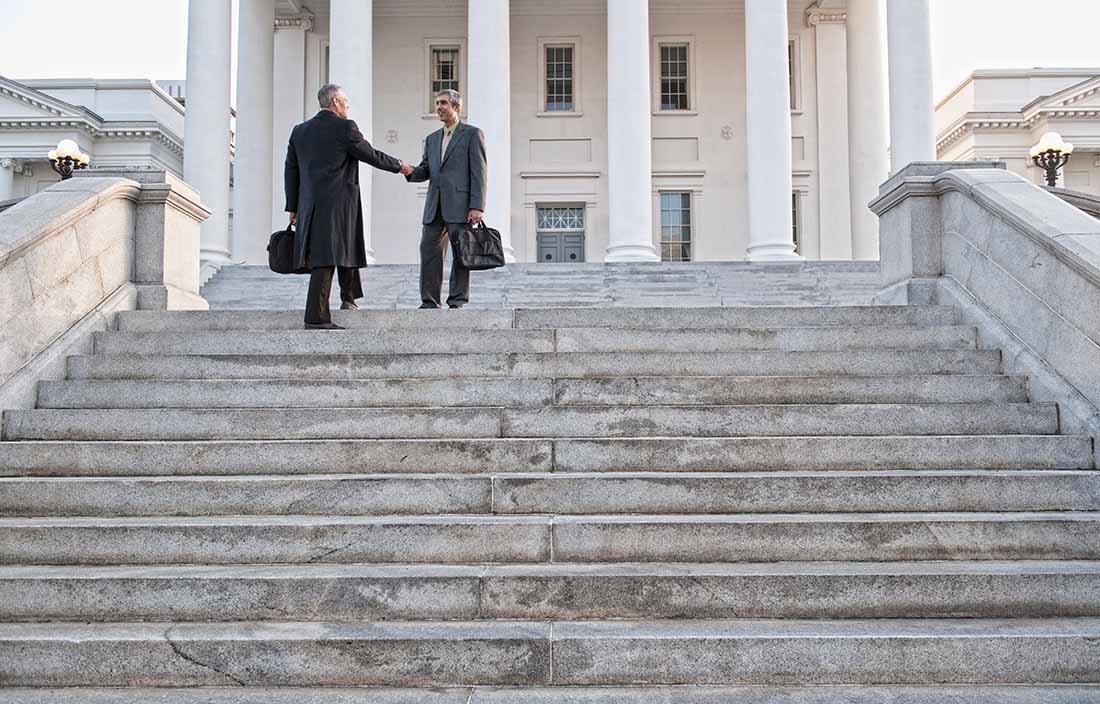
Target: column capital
x,y
816,15
7,162
303,22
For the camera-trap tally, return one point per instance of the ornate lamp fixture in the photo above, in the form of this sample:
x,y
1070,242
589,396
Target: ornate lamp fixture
x,y
68,158
1050,155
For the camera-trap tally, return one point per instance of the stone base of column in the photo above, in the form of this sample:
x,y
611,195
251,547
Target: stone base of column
x,y
631,253
772,253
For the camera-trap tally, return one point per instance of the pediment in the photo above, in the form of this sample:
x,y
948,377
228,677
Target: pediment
x,y
19,101
1083,95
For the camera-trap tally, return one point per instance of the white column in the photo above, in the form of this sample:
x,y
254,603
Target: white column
x,y
629,133
868,141
289,102
489,106
351,32
206,124
7,178
909,38
768,126
255,80
833,196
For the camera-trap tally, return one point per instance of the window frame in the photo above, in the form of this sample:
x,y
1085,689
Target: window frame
x,y
691,240
542,44
797,208
427,95
794,52
326,62
656,42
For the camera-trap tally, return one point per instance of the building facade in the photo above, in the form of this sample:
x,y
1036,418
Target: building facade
x,y
617,130
116,122
1001,114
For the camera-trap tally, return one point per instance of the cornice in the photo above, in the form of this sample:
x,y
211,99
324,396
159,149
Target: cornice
x,y
1009,121
119,132
24,98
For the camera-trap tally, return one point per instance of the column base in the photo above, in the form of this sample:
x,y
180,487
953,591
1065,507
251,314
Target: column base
x,y
772,253
631,253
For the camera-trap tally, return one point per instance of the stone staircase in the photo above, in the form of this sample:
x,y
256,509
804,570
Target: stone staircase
x,y
663,284
779,505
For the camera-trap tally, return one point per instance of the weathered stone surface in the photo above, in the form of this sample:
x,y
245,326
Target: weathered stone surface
x,y
835,536
274,653
273,539
815,652
266,320
573,365
720,318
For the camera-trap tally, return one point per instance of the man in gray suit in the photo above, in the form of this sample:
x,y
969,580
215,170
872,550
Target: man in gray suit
x,y
455,166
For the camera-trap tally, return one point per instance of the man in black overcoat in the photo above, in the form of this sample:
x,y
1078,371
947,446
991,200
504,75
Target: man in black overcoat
x,y
322,197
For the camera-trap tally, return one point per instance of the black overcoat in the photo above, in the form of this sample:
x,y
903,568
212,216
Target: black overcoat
x,y
322,185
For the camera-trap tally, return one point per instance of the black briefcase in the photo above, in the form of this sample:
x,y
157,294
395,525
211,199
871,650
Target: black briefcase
x,y
480,248
280,252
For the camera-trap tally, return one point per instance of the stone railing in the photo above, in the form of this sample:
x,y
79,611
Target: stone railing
x,y
1018,262
1083,201
80,250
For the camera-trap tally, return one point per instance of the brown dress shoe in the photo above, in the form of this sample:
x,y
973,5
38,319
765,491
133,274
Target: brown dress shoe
x,y
323,326
348,305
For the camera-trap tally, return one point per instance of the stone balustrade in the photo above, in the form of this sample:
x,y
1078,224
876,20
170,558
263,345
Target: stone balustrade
x,y
81,250
1019,262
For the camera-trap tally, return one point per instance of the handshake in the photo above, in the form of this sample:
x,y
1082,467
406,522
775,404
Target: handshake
x,y
405,169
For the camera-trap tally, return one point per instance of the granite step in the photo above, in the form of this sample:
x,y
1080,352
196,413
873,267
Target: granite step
x,y
542,493
750,651
557,365
841,590
541,422
681,694
458,341
634,391
748,454
457,539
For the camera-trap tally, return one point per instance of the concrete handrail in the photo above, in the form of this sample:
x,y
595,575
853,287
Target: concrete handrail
x,y
1079,199
82,249
1020,262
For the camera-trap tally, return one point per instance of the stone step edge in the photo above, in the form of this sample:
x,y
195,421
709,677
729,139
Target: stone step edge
x,y
763,570
631,694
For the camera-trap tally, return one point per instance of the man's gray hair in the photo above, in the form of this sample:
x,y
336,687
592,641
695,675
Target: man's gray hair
x,y
327,93
452,95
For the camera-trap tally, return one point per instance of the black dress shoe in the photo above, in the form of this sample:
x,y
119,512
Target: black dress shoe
x,y
455,306
348,305
428,306
323,326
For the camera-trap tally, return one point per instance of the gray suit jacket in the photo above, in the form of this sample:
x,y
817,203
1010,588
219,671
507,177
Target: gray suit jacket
x,y
457,179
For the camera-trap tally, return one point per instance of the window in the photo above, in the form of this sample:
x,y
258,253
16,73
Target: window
x,y
674,77
794,70
444,72
676,227
326,64
796,213
560,233
559,78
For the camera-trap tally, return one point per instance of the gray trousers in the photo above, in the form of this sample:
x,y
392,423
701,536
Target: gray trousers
x,y
433,250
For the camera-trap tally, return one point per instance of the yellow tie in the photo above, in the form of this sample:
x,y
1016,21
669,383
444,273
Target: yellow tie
x,y
447,132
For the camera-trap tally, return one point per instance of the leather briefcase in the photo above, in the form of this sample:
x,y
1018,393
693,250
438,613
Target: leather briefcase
x,y
280,252
480,248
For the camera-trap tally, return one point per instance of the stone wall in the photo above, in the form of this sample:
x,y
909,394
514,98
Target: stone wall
x,y
81,250
1018,261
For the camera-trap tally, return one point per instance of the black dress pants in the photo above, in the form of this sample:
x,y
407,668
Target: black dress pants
x,y
320,284
433,250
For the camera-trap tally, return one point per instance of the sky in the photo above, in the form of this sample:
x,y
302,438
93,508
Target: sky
x,y
148,38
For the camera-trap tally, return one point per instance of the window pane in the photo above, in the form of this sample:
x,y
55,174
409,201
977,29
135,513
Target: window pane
x,y
559,78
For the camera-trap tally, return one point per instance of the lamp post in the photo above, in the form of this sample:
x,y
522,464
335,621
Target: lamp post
x,y
1050,155
67,158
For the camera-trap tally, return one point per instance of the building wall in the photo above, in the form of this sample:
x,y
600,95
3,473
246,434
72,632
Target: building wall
x,y
563,159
